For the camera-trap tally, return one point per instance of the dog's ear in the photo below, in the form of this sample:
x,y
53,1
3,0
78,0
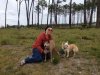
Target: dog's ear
x,y
67,41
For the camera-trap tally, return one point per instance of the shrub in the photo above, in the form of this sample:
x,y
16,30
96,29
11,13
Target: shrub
x,y
55,60
87,38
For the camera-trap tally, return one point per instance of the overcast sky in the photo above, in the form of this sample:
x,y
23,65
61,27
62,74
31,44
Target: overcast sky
x,y
12,12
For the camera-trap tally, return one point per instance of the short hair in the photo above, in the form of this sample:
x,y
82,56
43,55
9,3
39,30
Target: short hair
x,y
48,27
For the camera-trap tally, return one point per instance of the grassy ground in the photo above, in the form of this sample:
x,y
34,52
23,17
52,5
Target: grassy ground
x,y
16,45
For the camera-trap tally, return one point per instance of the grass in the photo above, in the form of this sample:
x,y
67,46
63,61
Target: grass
x,y
16,44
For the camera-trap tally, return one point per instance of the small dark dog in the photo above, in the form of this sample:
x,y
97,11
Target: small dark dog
x,y
49,47
46,49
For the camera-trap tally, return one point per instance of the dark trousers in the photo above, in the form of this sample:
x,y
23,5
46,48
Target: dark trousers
x,y
36,56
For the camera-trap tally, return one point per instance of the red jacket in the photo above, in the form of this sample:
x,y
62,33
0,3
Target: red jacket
x,y
39,42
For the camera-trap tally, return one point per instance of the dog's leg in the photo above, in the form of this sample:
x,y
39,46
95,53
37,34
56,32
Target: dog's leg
x,y
45,58
51,55
67,53
52,46
75,51
74,54
45,55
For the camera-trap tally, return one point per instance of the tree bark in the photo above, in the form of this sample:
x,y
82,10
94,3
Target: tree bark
x,y
38,14
98,14
19,15
32,10
91,15
6,14
70,13
85,22
27,15
42,16
48,14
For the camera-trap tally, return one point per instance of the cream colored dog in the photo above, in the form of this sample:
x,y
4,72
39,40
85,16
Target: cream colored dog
x,y
69,47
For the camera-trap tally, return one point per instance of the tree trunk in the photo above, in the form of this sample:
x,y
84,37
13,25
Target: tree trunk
x,y
42,16
98,14
81,17
38,14
32,16
85,22
77,18
27,14
51,17
70,13
19,15
64,18
6,14
48,14
56,12
91,15
32,11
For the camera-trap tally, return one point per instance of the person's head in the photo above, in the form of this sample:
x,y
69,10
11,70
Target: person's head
x,y
48,30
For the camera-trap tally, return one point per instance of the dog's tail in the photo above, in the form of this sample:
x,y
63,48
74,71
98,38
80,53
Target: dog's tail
x,y
76,49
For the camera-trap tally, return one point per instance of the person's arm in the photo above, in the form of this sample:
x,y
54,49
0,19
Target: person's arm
x,y
39,42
